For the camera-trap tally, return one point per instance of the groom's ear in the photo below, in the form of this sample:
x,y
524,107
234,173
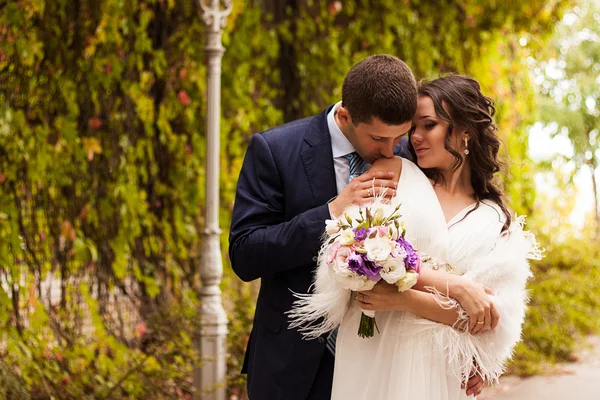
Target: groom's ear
x,y
344,116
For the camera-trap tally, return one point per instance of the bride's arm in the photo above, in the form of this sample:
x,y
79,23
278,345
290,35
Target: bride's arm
x,y
385,297
472,296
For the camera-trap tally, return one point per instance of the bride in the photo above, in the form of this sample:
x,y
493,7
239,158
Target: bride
x,y
427,347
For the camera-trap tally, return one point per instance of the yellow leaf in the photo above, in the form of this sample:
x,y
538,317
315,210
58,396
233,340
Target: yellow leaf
x,y
92,145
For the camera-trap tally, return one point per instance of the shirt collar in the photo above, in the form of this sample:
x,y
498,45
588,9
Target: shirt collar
x,y
340,145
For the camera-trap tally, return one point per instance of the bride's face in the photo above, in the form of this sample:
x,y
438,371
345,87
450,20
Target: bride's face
x,y
429,137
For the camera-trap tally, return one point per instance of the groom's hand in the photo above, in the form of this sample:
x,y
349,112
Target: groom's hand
x,y
474,385
363,189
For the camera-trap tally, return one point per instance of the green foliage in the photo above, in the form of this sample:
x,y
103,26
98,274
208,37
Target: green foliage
x,y
565,305
100,162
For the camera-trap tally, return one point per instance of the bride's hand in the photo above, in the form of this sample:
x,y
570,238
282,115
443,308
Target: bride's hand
x,y
383,297
474,299
362,189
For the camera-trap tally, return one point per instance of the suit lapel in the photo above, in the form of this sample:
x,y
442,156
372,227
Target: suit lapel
x,y
317,157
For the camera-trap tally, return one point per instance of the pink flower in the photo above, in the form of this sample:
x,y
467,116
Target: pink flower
x,y
382,231
341,257
332,252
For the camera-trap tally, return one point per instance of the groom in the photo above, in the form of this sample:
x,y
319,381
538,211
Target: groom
x,y
294,177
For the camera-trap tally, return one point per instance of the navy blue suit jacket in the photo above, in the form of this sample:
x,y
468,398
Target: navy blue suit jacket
x,y
278,218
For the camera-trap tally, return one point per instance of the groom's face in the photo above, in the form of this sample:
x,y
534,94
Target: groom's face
x,y
372,140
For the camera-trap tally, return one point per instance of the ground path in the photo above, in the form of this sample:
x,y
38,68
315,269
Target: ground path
x,y
579,380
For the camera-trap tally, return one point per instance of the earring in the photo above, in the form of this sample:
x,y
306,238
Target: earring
x,y
466,146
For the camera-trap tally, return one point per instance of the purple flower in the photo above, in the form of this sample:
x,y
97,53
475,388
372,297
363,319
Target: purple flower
x,y
356,263
412,260
372,270
362,266
360,233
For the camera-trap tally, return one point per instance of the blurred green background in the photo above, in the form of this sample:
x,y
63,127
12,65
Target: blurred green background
x,y
102,152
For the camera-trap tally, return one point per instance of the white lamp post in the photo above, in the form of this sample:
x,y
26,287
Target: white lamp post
x,y
210,376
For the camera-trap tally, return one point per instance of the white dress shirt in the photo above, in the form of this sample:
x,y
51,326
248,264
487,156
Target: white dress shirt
x,y
340,146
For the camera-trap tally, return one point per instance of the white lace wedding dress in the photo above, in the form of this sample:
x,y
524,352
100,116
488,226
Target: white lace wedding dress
x,y
413,358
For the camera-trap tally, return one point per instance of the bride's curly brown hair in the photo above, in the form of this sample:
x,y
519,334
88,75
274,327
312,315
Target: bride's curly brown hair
x,y
467,108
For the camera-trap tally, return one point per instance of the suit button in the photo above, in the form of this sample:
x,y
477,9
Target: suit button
x,y
321,340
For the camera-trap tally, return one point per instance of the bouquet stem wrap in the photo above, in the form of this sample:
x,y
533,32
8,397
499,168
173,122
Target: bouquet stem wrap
x,y
367,324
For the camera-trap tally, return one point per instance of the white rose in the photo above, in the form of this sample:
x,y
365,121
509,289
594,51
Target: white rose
x,y
408,280
393,270
361,284
398,252
347,237
378,249
332,226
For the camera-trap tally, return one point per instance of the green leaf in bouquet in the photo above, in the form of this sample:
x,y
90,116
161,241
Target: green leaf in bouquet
x,y
360,250
378,217
333,238
368,215
348,218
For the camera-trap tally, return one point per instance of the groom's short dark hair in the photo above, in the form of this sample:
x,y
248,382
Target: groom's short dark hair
x,y
380,86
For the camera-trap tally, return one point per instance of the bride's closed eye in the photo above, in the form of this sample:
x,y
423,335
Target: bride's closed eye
x,y
430,125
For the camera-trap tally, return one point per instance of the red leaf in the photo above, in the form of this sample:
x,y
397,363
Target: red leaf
x,y
182,73
140,329
95,123
183,97
335,7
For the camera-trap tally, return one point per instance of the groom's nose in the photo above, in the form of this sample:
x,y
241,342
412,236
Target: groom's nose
x,y
387,151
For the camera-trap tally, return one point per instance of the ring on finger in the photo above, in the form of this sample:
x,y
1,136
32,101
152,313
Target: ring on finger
x,y
362,298
480,322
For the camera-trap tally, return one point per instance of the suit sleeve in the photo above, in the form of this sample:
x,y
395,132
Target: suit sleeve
x,y
261,242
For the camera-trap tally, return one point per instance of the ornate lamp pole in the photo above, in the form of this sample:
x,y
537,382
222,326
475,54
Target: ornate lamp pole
x,y
210,376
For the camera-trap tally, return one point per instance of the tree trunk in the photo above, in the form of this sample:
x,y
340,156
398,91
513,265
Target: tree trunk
x,y
287,63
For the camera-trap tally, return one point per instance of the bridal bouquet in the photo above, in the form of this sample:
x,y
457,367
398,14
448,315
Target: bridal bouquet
x,y
361,247
367,248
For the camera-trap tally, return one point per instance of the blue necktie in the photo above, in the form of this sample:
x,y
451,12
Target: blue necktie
x,y
357,167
